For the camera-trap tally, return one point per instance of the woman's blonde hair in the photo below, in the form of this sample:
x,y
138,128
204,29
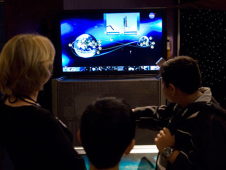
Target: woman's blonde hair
x,y
22,68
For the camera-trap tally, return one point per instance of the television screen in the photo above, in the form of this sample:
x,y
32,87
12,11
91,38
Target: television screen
x,y
112,41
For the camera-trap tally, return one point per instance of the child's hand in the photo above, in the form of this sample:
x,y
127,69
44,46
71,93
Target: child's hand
x,y
164,139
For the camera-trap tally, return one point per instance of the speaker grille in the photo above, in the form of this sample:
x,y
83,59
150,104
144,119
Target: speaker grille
x,y
70,97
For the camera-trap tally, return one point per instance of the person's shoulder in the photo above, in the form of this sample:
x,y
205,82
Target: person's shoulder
x,y
218,111
41,111
213,109
214,106
29,114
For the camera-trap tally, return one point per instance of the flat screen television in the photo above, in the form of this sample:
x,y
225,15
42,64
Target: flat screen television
x,y
113,41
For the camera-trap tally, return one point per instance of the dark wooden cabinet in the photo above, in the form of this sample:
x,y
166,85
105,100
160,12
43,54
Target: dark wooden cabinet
x,y
71,96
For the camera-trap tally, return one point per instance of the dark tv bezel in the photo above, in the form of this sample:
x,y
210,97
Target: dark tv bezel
x,y
70,13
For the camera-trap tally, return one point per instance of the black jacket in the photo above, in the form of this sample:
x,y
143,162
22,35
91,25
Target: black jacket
x,y
35,140
199,129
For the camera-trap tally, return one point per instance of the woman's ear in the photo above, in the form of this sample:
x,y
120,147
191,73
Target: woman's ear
x,y
129,147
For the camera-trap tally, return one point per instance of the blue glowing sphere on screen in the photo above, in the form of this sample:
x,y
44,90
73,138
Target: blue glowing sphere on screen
x,y
85,46
143,41
152,15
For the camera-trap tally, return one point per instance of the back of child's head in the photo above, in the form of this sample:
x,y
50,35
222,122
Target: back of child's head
x,y
183,72
107,129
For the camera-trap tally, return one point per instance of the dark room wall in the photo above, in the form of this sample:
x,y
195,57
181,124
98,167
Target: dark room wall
x,y
2,20
203,37
208,4
104,4
22,16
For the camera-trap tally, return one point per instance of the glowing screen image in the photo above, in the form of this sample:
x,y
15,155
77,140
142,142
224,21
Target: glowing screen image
x,y
111,41
122,23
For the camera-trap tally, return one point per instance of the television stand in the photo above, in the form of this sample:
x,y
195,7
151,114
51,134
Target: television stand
x,y
70,96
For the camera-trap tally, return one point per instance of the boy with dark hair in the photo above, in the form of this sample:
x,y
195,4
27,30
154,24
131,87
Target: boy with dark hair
x,y
192,126
107,132
183,72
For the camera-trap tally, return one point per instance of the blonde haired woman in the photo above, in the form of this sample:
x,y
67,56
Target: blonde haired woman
x,y
31,136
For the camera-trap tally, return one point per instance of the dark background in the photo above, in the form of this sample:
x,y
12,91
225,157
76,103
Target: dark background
x,y
203,36
201,30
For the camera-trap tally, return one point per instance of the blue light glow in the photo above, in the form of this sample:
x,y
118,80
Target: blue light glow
x,y
157,25
65,60
152,15
66,28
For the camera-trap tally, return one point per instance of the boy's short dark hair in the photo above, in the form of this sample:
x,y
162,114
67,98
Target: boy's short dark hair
x,y
107,128
183,72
